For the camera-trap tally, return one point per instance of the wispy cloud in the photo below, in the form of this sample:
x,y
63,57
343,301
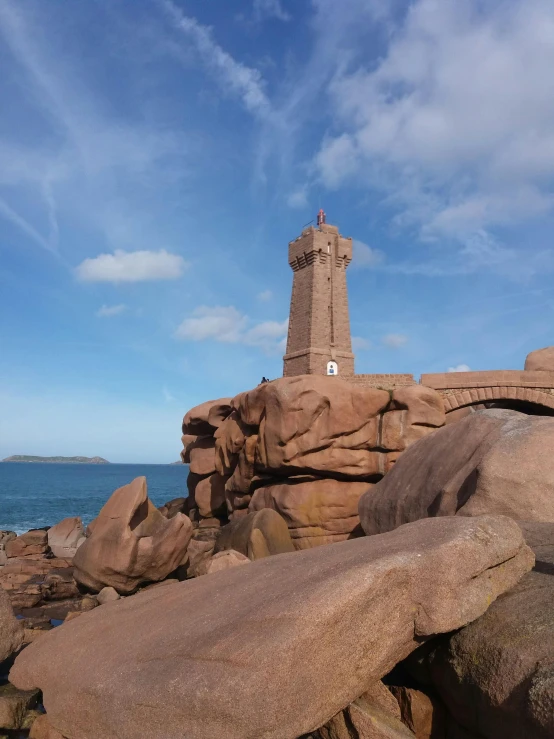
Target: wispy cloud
x,y
229,326
265,296
395,341
365,256
270,9
107,311
137,266
168,397
97,155
298,198
233,76
11,215
460,368
360,344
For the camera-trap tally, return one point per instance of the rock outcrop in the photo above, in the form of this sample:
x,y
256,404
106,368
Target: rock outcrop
x,y
131,542
496,676
66,537
541,359
494,461
317,511
277,648
256,535
283,444
11,631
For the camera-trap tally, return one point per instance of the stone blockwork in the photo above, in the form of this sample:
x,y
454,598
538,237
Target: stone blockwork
x,y
319,324
519,389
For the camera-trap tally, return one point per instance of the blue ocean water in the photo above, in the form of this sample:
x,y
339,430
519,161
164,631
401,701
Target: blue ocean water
x,y
33,495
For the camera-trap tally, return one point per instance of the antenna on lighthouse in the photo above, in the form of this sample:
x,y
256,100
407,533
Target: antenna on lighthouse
x,y
321,217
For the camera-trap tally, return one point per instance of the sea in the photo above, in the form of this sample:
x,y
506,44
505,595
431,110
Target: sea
x,y
35,494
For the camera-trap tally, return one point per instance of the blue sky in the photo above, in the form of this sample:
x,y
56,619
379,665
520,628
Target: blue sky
x,y
156,156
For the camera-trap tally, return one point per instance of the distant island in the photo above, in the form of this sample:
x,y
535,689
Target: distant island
x,y
62,460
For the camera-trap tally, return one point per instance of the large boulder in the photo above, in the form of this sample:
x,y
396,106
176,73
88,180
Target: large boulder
x,y
317,512
274,649
374,715
321,425
34,542
66,537
497,675
11,631
256,535
494,461
131,542
541,359
203,419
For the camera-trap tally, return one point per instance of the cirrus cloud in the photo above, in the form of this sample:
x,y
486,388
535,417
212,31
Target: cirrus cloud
x,y
395,341
134,266
107,311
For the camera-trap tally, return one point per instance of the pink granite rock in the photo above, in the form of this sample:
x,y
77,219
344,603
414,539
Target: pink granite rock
x,y
203,419
297,636
66,536
494,461
320,425
11,631
541,359
131,542
321,511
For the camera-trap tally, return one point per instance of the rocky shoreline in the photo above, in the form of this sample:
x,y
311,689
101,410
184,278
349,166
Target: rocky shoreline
x,y
347,565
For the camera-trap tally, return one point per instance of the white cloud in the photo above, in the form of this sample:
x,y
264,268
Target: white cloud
x,y
460,368
455,121
365,256
244,81
107,311
395,341
266,334
359,343
265,295
270,9
298,198
230,326
219,323
134,266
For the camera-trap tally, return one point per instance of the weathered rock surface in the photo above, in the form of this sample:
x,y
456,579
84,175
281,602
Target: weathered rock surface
x,y
201,454
421,713
11,631
364,718
131,542
541,359
65,537
317,512
257,535
209,495
42,729
494,461
225,560
320,425
32,543
107,595
298,636
14,705
496,676
312,426
203,419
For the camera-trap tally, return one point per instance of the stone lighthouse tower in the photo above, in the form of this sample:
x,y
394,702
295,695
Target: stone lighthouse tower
x,y
319,340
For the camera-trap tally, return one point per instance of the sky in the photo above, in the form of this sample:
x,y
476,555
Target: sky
x,y
157,156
